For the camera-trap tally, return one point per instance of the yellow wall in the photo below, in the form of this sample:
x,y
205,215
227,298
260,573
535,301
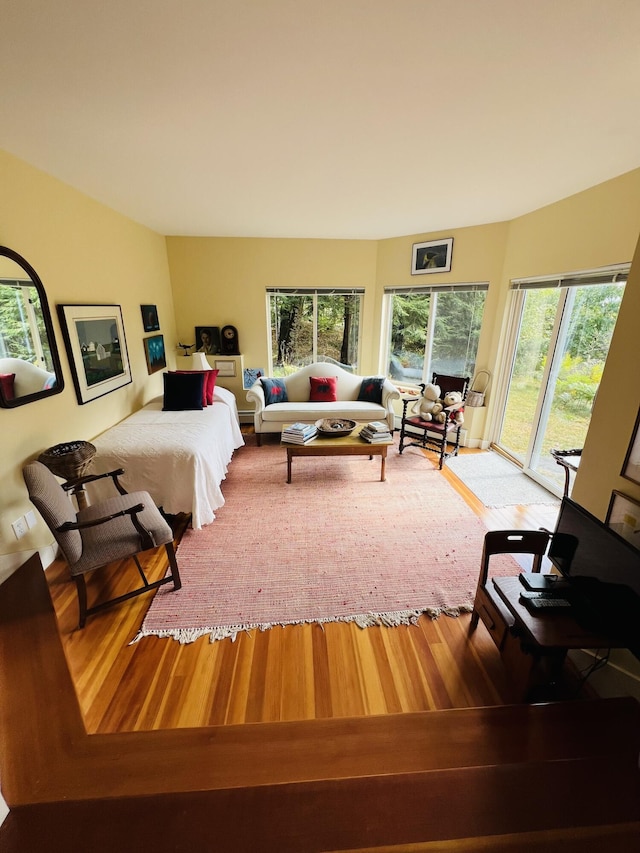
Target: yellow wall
x,y
220,280
83,252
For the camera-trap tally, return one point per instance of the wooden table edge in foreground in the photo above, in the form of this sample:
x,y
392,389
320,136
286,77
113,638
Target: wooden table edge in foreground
x,y
348,445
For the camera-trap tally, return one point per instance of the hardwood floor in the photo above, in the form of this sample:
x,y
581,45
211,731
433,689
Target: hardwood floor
x,y
284,674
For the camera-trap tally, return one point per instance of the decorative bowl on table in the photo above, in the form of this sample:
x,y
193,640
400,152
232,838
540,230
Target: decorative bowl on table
x,y
335,427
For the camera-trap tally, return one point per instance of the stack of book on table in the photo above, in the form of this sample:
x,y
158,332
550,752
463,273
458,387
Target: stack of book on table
x,y
375,432
299,433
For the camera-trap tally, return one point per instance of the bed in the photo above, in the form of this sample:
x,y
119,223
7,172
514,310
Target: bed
x,y
180,458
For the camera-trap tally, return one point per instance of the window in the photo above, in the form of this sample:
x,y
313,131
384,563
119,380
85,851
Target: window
x,y
433,329
559,335
308,325
23,334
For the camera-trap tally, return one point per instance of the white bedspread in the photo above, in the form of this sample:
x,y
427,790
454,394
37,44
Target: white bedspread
x,y
180,458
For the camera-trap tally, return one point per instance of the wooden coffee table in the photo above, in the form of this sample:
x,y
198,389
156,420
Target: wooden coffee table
x,y
349,445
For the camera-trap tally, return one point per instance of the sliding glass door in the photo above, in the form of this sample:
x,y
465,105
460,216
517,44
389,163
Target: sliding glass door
x,y
560,336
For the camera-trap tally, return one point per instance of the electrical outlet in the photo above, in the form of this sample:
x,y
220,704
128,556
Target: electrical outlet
x,y
30,518
20,527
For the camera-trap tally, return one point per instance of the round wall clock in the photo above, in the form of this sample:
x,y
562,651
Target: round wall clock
x,y
229,340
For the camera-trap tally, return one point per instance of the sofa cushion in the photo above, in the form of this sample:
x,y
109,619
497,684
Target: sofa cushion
x,y
275,391
323,389
371,389
280,413
182,391
7,381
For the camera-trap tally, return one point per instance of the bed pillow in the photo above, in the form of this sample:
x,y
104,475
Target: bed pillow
x,y
182,391
324,389
275,391
7,384
208,386
371,389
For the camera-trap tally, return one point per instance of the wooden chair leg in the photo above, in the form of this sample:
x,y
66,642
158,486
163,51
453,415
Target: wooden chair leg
x,y
175,574
81,587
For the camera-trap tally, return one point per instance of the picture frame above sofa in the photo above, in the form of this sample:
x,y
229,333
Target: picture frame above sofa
x,y
432,256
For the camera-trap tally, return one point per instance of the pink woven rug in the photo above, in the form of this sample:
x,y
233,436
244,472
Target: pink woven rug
x,y
334,545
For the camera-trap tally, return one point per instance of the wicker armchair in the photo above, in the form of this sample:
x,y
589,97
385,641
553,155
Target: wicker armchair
x,y
118,528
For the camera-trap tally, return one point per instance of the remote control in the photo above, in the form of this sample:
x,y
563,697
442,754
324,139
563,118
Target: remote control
x,y
530,593
545,603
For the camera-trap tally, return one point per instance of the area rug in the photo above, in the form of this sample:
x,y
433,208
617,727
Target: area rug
x,y
336,544
497,482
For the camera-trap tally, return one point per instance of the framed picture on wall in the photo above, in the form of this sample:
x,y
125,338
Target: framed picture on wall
x,y
207,340
433,256
623,516
154,353
97,349
631,467
150,321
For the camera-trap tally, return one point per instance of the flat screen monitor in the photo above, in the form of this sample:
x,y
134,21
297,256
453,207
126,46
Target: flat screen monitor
x,y
604,570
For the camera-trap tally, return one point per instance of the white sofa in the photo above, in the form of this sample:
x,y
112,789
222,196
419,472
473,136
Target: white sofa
x,y
298,408
29,378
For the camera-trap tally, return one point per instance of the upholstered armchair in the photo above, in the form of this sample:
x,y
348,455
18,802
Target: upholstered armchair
x,y
115,529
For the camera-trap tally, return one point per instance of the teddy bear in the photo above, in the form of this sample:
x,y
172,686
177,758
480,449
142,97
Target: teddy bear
x,y
428,406
451,398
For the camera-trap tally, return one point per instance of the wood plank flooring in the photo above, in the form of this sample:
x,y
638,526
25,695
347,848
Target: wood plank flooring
x,y
284,674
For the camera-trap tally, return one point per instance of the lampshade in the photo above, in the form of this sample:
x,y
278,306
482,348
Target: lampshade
x,y
199,361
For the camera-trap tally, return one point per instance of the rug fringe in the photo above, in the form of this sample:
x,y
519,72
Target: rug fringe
x,y
392,619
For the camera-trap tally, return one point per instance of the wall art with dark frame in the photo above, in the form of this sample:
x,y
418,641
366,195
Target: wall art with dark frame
x,y
432,256
207,340
154,353
623,517
97,349
631,466
150,321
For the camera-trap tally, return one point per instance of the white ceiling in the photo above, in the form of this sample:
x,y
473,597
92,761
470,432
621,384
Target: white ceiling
x,y
322,118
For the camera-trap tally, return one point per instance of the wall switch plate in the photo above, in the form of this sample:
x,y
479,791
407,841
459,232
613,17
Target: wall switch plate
x,y
20,527
30,518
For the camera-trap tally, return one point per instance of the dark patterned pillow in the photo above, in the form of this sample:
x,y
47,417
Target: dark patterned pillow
x,y
324,389
208,385
371,389
182,391
275,391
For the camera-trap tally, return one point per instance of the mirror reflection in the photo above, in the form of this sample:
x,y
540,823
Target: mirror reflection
x,y
29,363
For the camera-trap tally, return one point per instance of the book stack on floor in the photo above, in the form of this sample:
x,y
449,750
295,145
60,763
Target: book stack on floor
x,y
376,432
299,433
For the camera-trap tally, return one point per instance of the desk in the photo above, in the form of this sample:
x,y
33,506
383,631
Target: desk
x,y
536,644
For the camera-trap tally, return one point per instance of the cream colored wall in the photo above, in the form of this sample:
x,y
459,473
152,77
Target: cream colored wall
x,y
86,253
220,280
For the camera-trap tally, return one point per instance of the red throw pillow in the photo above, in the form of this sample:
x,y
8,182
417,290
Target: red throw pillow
x,y
324,389
208,386
6,383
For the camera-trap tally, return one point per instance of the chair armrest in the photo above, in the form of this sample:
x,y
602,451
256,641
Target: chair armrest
x,y
145,536
91,478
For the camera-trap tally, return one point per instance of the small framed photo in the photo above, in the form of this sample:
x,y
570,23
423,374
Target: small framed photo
x,y
225,367
631,467
97,349
207,340
623,517
150,321
433,256
250,376
154,353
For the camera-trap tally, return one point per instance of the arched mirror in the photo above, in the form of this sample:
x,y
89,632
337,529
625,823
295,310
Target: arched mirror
x,y
29,362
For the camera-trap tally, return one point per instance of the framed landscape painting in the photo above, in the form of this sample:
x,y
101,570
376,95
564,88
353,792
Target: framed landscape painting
x,y
97,349
433,256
